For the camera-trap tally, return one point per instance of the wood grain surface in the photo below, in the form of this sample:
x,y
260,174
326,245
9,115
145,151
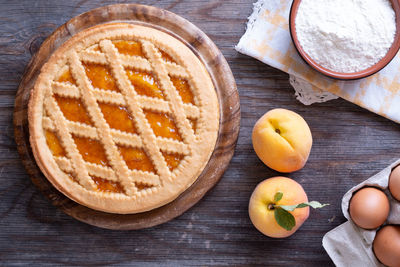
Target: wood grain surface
x,y
224,84
350,145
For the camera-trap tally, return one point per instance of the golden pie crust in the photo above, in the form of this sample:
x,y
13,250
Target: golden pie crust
x,y
123,118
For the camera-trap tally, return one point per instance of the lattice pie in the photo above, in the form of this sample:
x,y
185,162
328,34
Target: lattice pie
x,y
123,118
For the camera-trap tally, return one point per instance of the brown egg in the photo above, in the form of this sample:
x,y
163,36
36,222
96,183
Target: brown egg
x,y
394,183
387,245
369,208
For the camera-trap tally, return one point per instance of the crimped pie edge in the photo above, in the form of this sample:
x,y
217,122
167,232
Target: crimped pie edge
x,y
117,203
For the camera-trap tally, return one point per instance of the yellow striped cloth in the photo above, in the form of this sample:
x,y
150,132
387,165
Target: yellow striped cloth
x,y
267,39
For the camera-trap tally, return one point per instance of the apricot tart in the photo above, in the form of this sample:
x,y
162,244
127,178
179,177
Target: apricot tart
x,y
123,118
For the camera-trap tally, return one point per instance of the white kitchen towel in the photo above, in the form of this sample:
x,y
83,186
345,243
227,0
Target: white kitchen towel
x,y
267,39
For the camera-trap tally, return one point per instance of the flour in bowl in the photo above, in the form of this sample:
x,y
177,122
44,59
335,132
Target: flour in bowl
x,y
346,35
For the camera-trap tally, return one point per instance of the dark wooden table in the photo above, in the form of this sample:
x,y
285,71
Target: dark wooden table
x,y
350,145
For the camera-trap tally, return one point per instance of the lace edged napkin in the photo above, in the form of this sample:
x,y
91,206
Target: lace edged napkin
x,y
267,39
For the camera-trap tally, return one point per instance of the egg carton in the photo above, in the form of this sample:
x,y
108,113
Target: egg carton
x,y
350,245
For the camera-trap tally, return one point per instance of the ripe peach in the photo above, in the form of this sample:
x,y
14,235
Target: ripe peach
x,y
282,140
261,210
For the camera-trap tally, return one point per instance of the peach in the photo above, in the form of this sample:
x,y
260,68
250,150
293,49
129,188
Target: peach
x,y
282,140
262,201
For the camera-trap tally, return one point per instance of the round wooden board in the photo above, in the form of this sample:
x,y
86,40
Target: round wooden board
x,y
224,83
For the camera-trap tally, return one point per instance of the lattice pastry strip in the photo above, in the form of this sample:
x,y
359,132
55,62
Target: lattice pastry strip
x,y
108,173
103,129
68,143
115,98
133,62
175,101
121,138
130,95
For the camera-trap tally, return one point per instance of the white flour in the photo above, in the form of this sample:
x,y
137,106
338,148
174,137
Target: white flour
x,y
346,35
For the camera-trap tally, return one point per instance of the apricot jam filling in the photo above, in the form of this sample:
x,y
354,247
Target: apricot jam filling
x,y
96,48
54,144
91,150
73,109
163,125
66,77
136,159
141,186
130,48
144,83
172,160
193,123
104,185
100,76
183,88
118,117
72,177
166,57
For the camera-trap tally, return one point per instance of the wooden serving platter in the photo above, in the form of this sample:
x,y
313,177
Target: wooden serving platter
x,y
223,81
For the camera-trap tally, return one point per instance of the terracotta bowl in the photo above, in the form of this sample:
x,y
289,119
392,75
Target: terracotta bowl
x,y
339,75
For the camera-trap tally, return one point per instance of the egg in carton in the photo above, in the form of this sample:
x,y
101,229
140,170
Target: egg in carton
x,y
350,245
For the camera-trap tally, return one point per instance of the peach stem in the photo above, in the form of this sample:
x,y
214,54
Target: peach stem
x,y
271,206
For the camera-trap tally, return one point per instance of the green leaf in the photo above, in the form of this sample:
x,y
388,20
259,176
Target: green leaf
x,y
278,196
316,204
302,205
284,219
312,204
289,208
